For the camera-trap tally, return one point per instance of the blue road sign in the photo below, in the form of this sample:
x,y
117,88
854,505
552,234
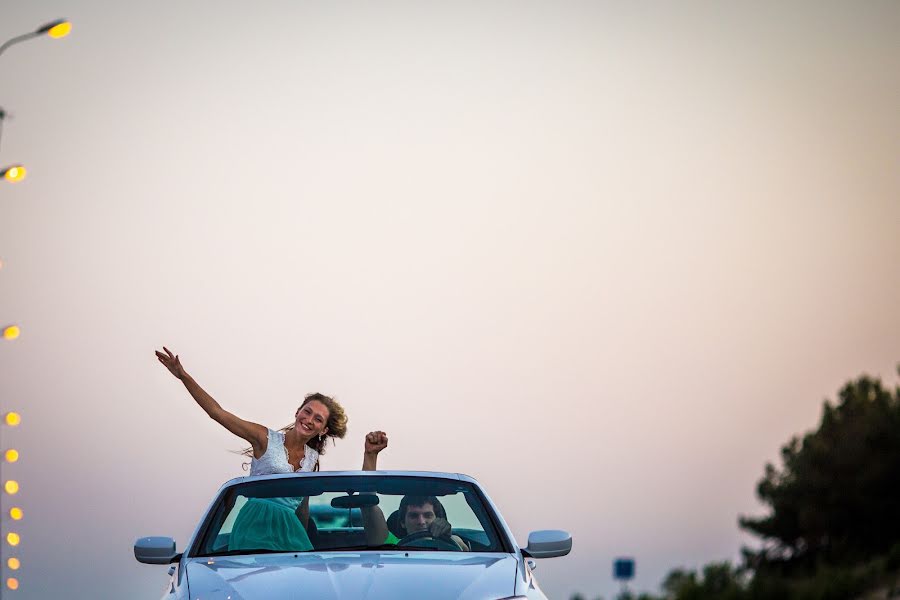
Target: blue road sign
x,y
623,568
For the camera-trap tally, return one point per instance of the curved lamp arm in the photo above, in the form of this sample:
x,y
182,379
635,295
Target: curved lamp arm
x,y
56,29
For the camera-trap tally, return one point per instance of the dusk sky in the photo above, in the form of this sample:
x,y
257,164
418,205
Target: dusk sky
x,y
605,257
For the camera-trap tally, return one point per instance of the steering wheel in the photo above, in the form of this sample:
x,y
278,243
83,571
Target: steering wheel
x,y
444,543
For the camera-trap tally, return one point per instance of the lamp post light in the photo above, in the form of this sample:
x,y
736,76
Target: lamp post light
x,y
10,488
56,29
13,173
59,28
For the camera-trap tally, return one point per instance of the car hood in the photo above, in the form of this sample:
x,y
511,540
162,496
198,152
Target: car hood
x,y
364,576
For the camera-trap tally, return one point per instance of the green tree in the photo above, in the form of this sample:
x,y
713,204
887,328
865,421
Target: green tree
x,y
629,595
719,581
679,581
836,498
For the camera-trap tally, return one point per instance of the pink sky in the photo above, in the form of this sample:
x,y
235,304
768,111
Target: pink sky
x,y
605,259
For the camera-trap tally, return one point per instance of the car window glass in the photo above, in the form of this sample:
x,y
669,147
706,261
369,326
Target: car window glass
x,y
266,516
229,520
459,513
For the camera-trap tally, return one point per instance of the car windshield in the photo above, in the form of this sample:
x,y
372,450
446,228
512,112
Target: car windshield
x,y
356,513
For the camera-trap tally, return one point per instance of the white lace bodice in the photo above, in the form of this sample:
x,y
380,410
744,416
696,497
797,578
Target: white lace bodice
x,y
275,459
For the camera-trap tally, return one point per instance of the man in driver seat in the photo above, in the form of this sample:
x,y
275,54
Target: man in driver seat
x,y
416,515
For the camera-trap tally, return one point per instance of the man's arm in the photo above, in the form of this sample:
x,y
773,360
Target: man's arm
x,y
441,528
461,543
376,441
374,522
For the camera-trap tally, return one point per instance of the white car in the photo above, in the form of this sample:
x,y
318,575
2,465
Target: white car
x,y
367,535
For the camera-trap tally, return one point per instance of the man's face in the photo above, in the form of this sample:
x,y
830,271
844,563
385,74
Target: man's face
x,y
418,518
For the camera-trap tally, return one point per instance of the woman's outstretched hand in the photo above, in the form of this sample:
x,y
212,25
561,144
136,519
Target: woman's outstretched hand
x,y
171,362
254,433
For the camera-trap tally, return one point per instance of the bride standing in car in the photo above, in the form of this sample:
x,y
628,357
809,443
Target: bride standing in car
x,y
294,448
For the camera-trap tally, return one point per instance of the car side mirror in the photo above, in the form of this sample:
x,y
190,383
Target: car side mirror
x,y
548,543
155,550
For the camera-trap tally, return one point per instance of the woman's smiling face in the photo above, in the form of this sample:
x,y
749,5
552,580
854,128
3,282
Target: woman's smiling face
x,y
312,419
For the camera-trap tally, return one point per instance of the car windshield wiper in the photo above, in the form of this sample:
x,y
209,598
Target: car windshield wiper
x,y
351,548
254,551
337,549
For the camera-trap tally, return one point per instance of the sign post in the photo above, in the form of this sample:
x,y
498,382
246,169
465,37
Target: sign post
x,y
623,570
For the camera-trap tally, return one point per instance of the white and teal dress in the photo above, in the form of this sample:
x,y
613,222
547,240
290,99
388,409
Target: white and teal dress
x,y
272,523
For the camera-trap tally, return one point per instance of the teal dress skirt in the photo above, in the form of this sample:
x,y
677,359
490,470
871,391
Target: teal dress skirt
x,y
269,524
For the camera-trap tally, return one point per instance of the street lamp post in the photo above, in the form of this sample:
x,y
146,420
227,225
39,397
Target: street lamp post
x,y
10,488
55,29
11,173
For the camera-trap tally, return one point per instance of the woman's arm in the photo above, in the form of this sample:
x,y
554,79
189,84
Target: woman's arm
x,y
302,512
254,433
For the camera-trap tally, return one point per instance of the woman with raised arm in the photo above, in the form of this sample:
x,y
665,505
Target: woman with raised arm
x,y
293,448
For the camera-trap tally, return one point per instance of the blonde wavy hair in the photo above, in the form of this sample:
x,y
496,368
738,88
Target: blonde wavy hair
x,y
336,424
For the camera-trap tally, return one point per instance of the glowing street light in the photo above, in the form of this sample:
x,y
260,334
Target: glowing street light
x,y
11,332
12,418
55,29
14,173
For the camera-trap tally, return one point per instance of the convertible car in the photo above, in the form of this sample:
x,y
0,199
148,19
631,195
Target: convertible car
x,y
362,535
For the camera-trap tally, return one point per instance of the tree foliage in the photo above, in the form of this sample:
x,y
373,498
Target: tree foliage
x,y
833,527
719,581
836,498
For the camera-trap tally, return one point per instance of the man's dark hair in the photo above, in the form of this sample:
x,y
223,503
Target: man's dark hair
x,y
408,501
